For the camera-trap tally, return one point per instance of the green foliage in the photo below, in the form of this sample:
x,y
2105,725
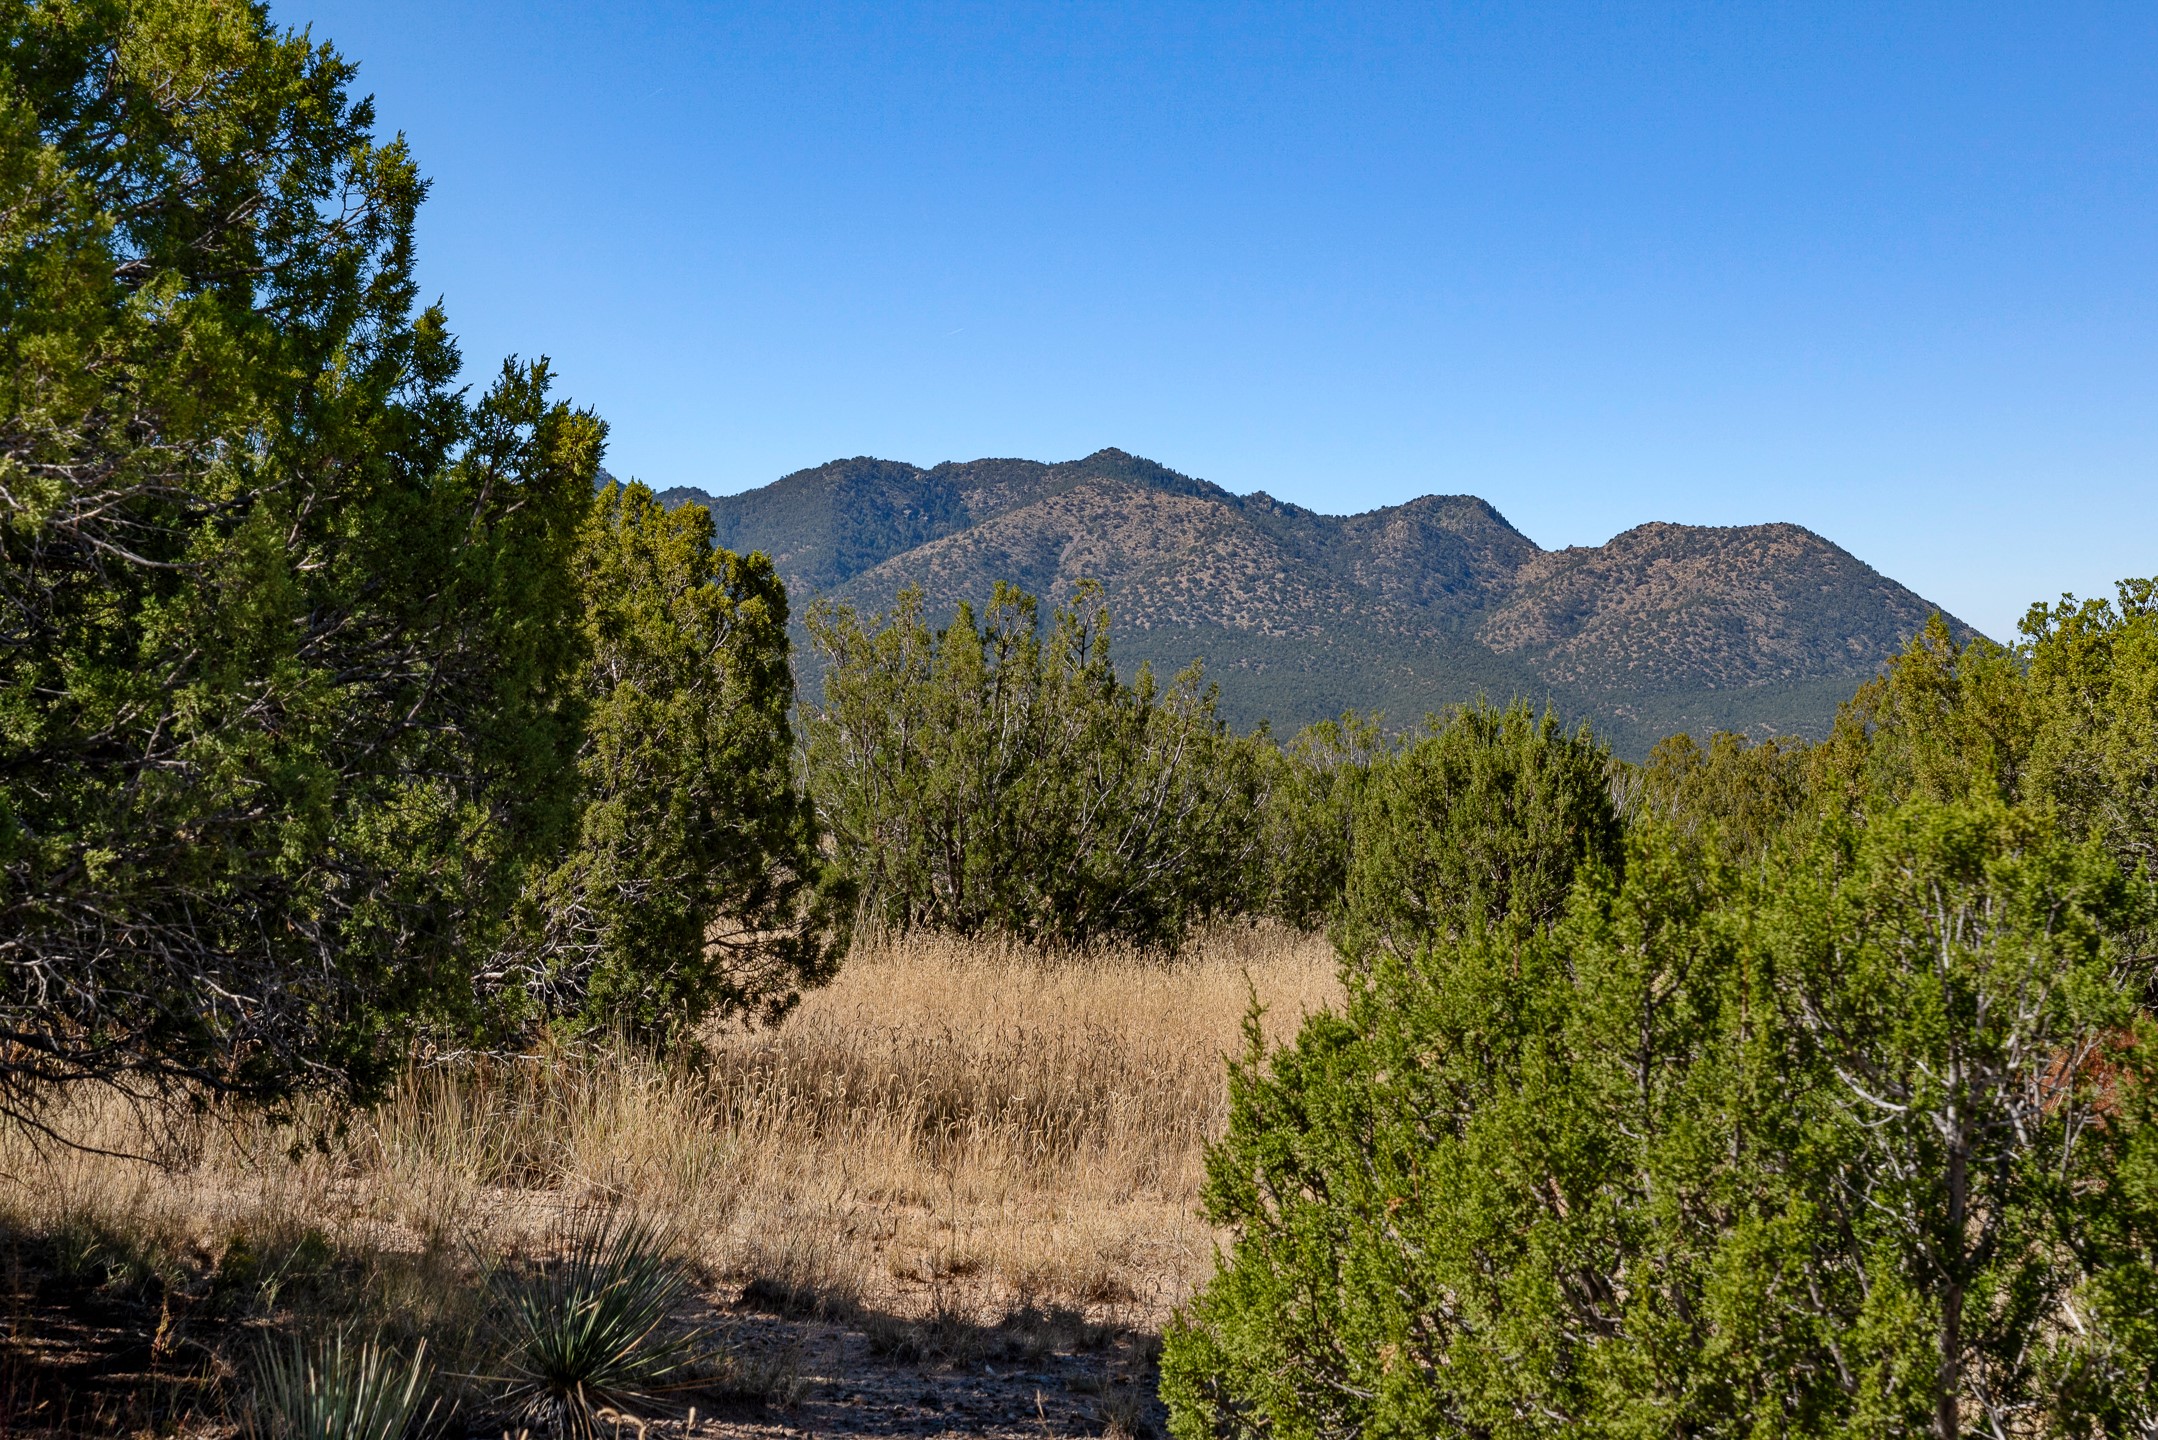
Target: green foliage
x,y
1428,1194
1950,983
2107,1383
1823,1107
2093,676
1480,821
1943,721
692,885
287,627
1817,1152
1314,1325
2066,722
589,1330
1315,789
985,777
339,1389
1741,793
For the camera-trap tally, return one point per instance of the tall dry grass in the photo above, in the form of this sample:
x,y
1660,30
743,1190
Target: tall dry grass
x,y
950,1127
954,1112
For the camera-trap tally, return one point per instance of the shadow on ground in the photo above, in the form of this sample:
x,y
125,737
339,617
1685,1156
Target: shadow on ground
x,y
96,1339
855,1370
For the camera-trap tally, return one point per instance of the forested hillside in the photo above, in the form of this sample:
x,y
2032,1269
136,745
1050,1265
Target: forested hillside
x,y
1401,610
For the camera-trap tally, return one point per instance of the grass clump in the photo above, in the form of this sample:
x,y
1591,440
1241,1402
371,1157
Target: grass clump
x,y
588,1334
334,1389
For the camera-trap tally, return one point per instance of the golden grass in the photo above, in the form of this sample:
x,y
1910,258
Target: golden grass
x,y
949,1128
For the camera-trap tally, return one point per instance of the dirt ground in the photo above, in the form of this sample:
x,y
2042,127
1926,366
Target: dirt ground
x,y
1053,1379
77,1360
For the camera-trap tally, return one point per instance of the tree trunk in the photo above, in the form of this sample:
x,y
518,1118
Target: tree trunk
x,y
1948,1382
1947,1417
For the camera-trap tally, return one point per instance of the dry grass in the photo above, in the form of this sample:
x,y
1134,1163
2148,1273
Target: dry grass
x,y
950,1133
956,1113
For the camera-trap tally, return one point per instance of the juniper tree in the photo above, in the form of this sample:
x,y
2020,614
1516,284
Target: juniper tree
x,y
287,625
694,885
1316,785
988,776
1853,1139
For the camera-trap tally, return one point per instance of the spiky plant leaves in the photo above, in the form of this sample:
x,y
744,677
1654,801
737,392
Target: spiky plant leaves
x,y
334,1389
589,1332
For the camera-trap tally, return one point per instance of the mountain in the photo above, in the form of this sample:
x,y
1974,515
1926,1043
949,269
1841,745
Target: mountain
x,y
1298,615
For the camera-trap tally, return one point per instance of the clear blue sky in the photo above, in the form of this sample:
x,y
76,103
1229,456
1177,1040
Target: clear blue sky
x,y
1887,271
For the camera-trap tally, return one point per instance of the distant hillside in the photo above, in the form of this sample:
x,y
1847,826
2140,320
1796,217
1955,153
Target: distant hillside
x,y
1298,615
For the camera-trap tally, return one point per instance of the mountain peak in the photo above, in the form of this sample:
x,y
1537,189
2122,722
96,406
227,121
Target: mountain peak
x,y
1404,609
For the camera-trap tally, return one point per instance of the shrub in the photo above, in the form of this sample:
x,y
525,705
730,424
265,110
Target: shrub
x,y
1334,1172
590,1329
1316,784
1851,1143
339,1390
1737,793
1480,821
287,625
985,777
692,886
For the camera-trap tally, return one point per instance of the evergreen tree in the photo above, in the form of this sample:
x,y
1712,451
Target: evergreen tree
x,y
988,777
1357,1159
1851,1140
1950,979
2093,675
1743,793
287,628
692,886
1944,721
1316,785
1482,820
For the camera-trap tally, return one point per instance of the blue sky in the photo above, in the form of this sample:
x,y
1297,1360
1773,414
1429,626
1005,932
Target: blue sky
x,y
1887,271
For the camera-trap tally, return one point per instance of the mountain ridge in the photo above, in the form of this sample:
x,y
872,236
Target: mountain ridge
x,y
1405,608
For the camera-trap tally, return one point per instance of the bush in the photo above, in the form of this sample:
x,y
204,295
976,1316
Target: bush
x,y
588,1329
693,884
1316,784
287,626
1737,793
1628,1139
984,777
1812,1153
1481,821
1464,845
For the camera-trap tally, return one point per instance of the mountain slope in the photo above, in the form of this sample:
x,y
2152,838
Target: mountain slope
x,y
1697,606
1166,560
825,525
1299,615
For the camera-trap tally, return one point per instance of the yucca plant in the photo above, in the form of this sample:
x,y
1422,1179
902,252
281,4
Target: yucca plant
x,y
588,1331
335,1389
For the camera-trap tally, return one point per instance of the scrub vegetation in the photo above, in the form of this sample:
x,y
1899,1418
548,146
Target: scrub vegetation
x,y
449,981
